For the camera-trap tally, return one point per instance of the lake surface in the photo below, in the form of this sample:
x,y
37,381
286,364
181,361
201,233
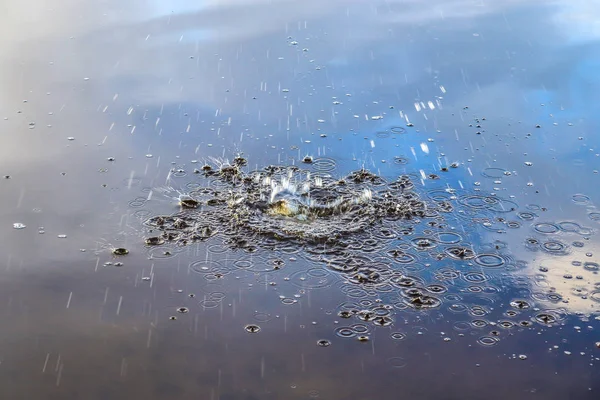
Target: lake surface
x,y
463,265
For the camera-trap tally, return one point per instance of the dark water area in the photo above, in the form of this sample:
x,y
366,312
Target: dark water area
x,y
463,265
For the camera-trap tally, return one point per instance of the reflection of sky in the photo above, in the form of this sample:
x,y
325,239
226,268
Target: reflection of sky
x,y
190,74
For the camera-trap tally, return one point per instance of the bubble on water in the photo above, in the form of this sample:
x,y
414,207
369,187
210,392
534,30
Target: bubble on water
x,y
120,251
251,328
520,304
546,318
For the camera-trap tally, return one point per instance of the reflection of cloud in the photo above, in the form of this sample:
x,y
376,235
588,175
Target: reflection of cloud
x,y
574,284
569,281
579,20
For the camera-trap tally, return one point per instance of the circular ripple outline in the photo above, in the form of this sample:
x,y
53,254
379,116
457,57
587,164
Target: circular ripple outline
x,y
209,303
478,201
255,265
397,362
460,253
594,216
162,252
398,335
209,267
137,202
487,341
475,277
555,247
580,199
494,172
447,237
489,260
217,248
591,266
345,332
324,164
142,214
400,160
546,228
527,216
569,226
314,278
503,206
398,129
461,326
440,195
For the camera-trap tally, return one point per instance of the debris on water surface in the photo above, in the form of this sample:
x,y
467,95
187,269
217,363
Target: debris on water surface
x,y
154,241
374,234
188,202
120,251
284,203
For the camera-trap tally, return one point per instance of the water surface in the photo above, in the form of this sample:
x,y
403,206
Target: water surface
x,y
108,109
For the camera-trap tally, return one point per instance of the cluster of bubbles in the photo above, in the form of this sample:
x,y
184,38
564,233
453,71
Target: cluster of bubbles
x,y
387,247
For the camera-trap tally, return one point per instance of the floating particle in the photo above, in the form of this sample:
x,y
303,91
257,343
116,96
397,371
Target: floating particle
x,y
120,251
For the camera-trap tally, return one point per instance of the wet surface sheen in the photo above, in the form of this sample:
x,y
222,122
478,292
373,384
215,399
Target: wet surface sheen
x,y
299,199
